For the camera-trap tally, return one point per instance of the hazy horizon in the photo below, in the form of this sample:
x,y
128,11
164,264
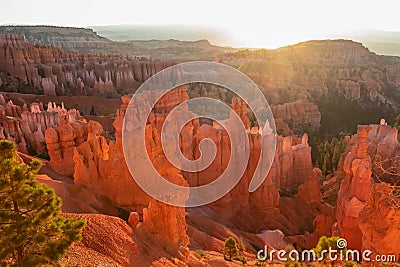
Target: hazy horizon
x,y
268,24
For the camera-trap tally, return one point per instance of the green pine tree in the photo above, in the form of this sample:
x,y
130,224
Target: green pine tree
x,y
326,163
31,231
230,247
324,244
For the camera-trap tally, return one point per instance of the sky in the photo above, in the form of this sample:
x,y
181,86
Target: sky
x,y
251,23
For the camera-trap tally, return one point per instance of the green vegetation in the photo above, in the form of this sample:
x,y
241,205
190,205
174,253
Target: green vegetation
x,y
39,45
340,117
328,154
343,115
326,243
331,196
241,246
242,260
45,154
201,253
30,224
230,248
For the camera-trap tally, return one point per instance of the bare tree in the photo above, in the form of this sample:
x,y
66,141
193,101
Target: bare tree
x,y
388,171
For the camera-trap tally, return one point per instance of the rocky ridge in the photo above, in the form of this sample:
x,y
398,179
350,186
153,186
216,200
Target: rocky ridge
x,y
85,40
309,70
52,71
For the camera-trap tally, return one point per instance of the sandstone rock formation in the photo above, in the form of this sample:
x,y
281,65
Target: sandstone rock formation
x,y
359,167
355,188
166,224
61,142
53,71
26,126
86,40
96,158
379,221
298,115
95,161
312,69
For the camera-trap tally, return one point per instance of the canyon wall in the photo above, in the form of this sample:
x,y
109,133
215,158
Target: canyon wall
x,y
366,188
61,141
310,70
292,166
84,40
297,116
95,160
51,71
379,221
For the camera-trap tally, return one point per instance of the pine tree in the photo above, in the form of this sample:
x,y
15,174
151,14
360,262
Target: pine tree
x,y
324,244
31,231
230,247
326,163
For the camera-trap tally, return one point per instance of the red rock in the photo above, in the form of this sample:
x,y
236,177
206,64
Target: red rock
x,y
273,238
96,158
48,86
355,168
167,225
107,235
26,126
133,220
84,75
61,142
310,190
298,114
356,165
379,221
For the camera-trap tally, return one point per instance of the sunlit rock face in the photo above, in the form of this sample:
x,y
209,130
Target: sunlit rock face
x,y
26,124
61,142
96,158
379,221
373,147
298,114
315,69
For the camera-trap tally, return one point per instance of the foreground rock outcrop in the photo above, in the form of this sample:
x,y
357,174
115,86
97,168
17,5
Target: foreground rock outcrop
x,y
355,188
106,240
379,221
290,192
366,186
